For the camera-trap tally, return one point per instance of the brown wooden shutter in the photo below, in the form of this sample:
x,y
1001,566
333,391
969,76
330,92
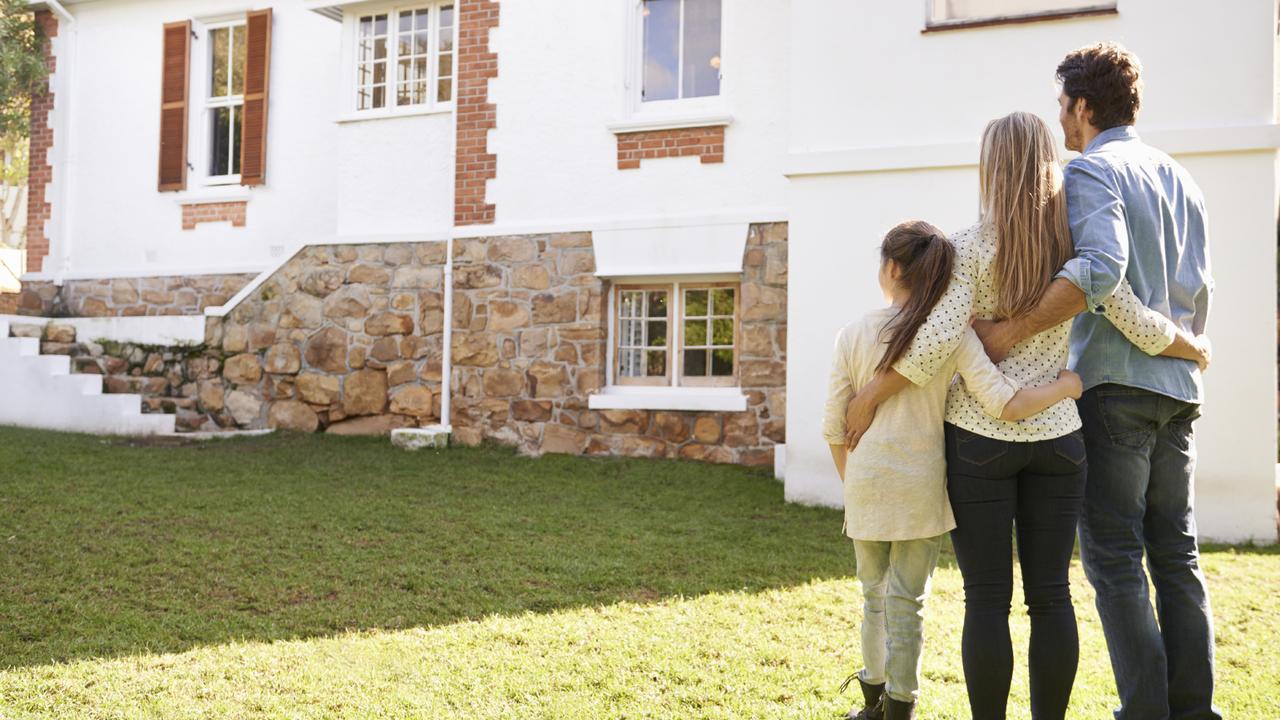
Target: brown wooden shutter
x,y
173,105
257,71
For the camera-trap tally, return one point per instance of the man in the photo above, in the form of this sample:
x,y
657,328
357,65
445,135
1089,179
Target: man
x,y
1136,214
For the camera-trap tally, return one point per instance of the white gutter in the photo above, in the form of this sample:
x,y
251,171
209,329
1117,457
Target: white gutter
x,y
446,363
63,142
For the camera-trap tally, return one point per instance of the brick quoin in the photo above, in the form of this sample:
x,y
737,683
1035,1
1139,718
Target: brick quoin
x,y
232,212
474,165
705,142
39,210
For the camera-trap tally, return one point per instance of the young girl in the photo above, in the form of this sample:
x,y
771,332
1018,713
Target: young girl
x,y
895,487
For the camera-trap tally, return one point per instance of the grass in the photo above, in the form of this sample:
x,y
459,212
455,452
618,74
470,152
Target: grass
x,y
320,577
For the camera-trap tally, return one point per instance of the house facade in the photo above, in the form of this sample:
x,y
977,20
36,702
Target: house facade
x,y
577,227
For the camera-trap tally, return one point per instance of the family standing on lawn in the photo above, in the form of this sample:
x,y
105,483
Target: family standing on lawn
x,y
1019,446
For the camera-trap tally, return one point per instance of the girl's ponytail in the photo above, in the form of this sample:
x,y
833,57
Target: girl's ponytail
x,y
926,258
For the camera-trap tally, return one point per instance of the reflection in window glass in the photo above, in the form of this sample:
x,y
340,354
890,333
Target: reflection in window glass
x,y
642,333
708,322
225,98
681,49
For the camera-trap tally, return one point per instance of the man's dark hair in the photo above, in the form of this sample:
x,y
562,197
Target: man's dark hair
x,y
1109,78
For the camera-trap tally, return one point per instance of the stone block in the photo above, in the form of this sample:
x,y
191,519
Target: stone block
x,y
318,389
242,369
283,359
327,350
413,400
292,415
364,392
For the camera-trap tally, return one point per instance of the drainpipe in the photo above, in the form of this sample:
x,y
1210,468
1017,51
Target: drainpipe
x,y
62,135
446,363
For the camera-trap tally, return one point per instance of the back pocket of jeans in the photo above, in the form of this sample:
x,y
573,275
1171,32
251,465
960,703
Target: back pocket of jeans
x,y
1128,416
1070,447
978,450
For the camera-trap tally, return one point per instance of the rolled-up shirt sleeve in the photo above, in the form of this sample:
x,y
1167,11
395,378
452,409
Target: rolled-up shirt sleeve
x,y
1147,329
1095,211
941,332
839,390
990,387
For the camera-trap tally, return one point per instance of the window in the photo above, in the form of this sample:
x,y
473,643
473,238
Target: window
x,y
404,58
681,56
951,13
698,349
225,100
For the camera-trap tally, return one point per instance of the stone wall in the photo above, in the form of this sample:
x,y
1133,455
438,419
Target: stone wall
x,y
529,348
110,297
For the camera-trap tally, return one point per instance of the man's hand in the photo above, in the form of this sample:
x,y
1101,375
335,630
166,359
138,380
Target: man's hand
x,y
857,419
997,338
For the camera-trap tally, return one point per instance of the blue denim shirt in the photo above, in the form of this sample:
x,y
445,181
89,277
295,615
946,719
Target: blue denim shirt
x,y
1136,214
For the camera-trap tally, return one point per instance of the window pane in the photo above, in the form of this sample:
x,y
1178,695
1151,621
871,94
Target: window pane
x,y
657,333
657,303
655,362
380,25
695,332
380,96
695,303
446,28
237,118
445,92
722,301
380,48
695,362
629,363
631,334
237,60
629,307
220,142
421,42
406,21
661,49
701,75
218,38
446,65
722,331
722,362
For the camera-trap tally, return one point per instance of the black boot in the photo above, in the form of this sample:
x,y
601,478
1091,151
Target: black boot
x,y
898,710
873,698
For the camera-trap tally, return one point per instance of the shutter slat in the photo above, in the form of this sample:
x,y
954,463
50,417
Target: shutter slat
x,y
176,66
257,80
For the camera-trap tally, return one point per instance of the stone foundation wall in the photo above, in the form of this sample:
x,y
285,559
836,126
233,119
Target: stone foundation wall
x,y
176,295
530,329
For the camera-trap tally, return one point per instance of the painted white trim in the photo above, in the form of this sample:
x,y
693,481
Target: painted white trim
x,y
591,224
641,123
254,284
393,113
213,193
671,250
145,330
640,397
1184,141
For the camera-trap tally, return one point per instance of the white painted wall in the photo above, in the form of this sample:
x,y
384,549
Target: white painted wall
x,y
883,89
560,86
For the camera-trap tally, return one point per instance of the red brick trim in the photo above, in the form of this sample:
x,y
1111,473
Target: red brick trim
x,y
705,142
39,209
474,164
232,212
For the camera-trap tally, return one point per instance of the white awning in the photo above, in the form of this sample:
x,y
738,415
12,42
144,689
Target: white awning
x,y
680,250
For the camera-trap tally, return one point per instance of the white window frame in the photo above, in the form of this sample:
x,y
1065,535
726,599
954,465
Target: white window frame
x,y
680,112
350,60
200,142
674,394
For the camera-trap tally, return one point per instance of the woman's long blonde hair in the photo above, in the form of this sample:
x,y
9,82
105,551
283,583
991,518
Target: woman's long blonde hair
x,y
1023,200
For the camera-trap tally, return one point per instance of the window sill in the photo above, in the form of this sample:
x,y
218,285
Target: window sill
x,y
627,397
1108,9
641,123
353,117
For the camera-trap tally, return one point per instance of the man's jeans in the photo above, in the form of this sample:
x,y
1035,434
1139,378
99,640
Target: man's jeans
x,y
895,582
1139,498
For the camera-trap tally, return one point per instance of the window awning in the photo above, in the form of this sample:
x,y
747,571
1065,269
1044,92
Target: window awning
x,y
678,250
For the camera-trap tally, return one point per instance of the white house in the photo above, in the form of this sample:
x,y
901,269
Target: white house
x,y
609,224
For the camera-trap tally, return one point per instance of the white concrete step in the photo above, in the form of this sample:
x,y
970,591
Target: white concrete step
x,y
40,391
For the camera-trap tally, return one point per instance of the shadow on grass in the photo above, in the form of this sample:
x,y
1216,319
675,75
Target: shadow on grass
x,y
117,547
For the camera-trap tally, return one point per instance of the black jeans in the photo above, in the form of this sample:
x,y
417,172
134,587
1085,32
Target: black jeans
x,y
996,486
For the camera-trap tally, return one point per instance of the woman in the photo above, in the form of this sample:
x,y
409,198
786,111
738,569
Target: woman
x,y
1027,474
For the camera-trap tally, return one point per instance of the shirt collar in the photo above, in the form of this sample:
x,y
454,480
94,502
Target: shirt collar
x,y
1119,132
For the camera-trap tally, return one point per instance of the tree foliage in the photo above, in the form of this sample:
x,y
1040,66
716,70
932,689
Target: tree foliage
x,y
22,68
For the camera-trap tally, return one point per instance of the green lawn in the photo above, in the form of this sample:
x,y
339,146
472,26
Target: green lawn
x,y
321,577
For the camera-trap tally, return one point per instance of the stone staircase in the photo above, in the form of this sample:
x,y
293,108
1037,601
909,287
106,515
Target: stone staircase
x,y
48,380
